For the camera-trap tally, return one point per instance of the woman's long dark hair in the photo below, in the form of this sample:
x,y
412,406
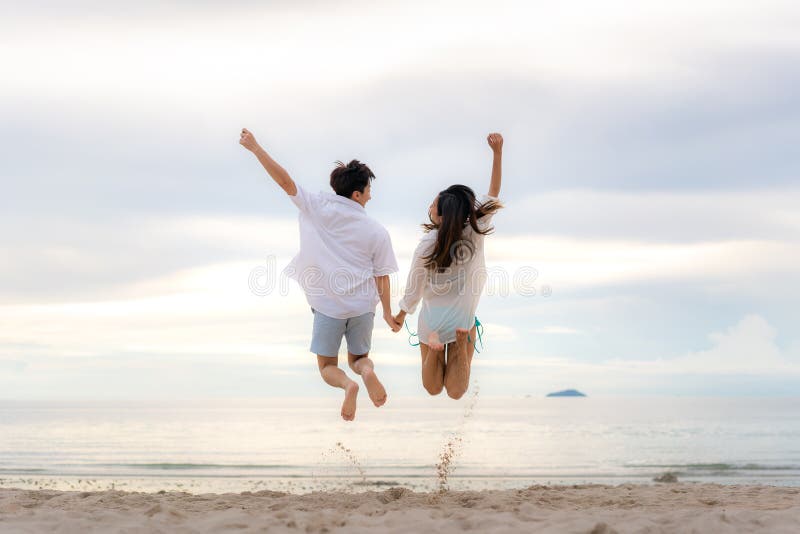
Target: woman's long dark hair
x,y
458,208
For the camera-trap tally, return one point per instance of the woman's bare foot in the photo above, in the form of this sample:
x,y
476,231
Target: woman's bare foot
x,y
349,404
377,393
434,343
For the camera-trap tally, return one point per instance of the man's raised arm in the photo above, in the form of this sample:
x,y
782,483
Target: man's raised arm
x,y
277,172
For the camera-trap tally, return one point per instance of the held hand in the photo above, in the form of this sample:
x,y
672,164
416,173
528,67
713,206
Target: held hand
x,y
400,318
394,325
247,140
495,141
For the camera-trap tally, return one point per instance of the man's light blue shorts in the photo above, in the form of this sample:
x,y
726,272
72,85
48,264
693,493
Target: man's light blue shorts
x,y
327,334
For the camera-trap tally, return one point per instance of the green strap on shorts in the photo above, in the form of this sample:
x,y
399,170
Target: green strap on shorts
x,y
478,330
411,335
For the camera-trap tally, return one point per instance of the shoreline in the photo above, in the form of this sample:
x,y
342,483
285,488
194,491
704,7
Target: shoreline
x,y
676,507
301,485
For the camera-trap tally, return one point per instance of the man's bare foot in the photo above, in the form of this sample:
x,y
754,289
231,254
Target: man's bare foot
x,y
349,404
377,393
434,343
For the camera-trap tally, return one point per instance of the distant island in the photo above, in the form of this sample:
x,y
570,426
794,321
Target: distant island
x,y
567,393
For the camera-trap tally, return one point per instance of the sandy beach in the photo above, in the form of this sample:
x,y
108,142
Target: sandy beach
x,y
582,508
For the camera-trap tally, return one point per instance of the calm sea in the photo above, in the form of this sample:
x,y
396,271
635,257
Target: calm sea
x,y
423,443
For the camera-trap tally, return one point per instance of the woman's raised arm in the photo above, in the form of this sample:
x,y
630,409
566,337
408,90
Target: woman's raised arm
x,y
495,141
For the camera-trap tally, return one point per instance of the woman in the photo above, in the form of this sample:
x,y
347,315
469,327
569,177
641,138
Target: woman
x,y
448,274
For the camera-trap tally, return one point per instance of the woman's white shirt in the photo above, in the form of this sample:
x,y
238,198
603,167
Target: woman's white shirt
x,y
450,298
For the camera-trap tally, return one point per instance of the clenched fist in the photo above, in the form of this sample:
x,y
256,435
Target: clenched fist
x,y
495,141
247,140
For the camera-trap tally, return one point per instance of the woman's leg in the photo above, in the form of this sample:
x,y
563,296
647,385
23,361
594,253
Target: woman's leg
x,y
459,363
432,369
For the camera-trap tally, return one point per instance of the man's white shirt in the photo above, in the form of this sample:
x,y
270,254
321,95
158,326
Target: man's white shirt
x,y
342,249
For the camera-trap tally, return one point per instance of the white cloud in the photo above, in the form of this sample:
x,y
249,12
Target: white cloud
x,y
747,348
209,307
136,127
658,216
568,264
226,57
724,242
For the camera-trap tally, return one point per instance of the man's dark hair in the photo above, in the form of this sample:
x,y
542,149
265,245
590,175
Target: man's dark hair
x,y
346,179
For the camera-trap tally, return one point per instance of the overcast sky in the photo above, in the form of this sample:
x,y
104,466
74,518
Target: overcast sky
x,y
651,179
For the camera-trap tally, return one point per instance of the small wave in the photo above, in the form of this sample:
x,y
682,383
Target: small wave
x,y
720,467
174,466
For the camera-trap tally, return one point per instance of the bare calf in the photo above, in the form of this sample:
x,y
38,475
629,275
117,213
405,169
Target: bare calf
x,y
333,376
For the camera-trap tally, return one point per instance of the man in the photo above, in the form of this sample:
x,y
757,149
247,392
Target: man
x,y
343,266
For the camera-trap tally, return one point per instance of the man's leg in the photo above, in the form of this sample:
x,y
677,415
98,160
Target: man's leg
x,y
358,332
432,369
326,339
459,363
332,375
362,365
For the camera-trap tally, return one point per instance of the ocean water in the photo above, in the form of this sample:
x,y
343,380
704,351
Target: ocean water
x,y
301,445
